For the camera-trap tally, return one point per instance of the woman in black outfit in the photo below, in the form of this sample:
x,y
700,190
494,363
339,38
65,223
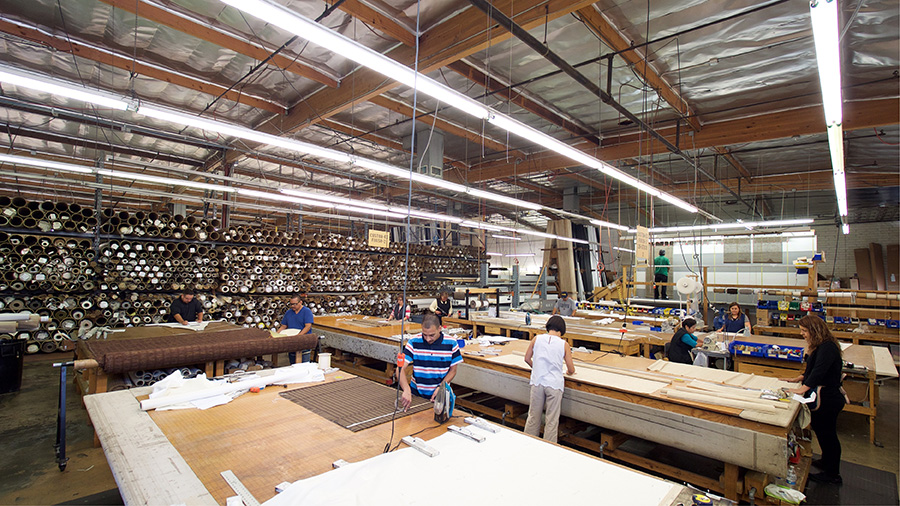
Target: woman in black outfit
x,y
683,342
823,376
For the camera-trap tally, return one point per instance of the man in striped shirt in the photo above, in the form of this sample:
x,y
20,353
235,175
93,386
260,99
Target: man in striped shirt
x,y
433,358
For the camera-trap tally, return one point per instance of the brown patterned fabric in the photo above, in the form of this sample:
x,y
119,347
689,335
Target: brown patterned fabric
x,y
354,404
160,347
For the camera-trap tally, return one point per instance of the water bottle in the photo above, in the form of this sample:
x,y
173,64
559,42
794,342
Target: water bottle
x,y
792,476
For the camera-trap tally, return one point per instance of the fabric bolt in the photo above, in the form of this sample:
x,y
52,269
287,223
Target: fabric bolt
x,y
735,325
565,306
431,362
548,357
187,310
542,397
124,355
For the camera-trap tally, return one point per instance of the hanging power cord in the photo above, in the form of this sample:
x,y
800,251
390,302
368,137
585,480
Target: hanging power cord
x,y
412,167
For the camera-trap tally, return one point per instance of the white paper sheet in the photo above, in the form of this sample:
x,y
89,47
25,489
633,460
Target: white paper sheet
x,y
507,468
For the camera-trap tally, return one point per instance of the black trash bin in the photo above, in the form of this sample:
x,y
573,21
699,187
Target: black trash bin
x,y
12,355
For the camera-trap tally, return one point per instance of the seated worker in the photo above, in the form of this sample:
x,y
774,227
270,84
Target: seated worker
x,y
297,317
400,310
442,306
433,359
736,320
564,305
682,342
186,309
546,355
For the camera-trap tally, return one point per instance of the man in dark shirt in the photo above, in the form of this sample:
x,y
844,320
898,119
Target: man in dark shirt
x,y
186,309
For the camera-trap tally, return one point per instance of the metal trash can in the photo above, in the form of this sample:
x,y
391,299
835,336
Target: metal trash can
x,y
12,355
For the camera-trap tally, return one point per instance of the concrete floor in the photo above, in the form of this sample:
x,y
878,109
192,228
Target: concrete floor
x,y
31,475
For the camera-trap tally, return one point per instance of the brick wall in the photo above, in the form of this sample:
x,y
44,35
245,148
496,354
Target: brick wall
x,y
831,240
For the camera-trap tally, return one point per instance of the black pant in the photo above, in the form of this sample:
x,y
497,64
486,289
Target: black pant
x,y
660,278
824,424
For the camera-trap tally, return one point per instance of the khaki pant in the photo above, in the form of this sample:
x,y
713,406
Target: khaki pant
x,y
541,396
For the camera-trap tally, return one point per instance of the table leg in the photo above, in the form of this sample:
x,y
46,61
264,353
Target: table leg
x,y
731,481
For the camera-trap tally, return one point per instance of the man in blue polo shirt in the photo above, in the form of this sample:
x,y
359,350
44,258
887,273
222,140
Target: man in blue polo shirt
x,y
297,317
433,358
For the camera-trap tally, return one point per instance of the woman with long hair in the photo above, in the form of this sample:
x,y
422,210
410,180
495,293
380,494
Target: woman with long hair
x,y
736,320
823,376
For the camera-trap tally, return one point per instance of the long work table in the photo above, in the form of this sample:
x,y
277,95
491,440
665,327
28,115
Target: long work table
x,y
703,411
871,366
263,439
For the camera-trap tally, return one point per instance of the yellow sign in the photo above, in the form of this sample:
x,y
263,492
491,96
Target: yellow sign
x,y
379,239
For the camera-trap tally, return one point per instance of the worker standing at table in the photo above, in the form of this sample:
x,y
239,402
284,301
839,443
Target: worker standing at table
x,y
297,317
442,306
186,309
564,305
433,358
400,310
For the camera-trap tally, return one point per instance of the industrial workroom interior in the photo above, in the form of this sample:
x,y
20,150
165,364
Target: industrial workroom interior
x,y
440,251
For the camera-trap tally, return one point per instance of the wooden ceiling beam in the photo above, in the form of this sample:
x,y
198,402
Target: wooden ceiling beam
x,y
203,30
612,37
729,157
443,125
155,71
377,20
775,125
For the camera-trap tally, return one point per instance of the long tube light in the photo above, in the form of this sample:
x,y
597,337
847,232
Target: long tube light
x,y
824,17
740,224
601,223
68,90
312,31
712,238
511,238
134,176
45,164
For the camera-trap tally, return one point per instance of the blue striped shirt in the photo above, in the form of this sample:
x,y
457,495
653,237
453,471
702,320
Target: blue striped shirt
x,y
431,362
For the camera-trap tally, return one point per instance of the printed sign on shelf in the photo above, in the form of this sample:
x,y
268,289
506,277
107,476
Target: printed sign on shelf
x,y
379,239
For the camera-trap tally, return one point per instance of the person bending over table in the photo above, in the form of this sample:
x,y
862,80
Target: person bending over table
x,y
546,355
824,369
433,358
442,306
736,320
297,317
186,309
683,342
564,305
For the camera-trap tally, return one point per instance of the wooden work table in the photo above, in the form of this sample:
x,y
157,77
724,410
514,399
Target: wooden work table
x,y
176,457
872,365
692,426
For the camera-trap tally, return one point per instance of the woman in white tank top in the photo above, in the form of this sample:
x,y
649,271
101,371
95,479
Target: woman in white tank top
x,y
546,355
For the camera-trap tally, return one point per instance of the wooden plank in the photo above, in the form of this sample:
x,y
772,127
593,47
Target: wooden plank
x,y
893,267
864,269
876,258
146,467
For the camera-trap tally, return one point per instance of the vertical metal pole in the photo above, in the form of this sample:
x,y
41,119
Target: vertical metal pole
x,y
544,285
60,446
515,287
484,274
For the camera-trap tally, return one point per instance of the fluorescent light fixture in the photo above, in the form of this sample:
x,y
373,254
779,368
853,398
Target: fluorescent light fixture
x,y
845,228
678,202
37,82
45,164
836,146
623,249
506,237
314,32
135,176
333,198
372,212
521,255
742,224
494,254
713,238
282,198
502,198
601,223
824,16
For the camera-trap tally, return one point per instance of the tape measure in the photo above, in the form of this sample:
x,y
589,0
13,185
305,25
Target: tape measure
x,y
701,500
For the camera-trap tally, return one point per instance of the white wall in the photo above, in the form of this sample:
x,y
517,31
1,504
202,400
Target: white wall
x,y
839,247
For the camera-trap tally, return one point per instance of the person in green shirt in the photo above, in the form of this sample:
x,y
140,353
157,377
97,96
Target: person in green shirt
x,y
661,274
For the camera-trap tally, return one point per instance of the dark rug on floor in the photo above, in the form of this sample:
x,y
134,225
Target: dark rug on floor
x,y
862,485
354,404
